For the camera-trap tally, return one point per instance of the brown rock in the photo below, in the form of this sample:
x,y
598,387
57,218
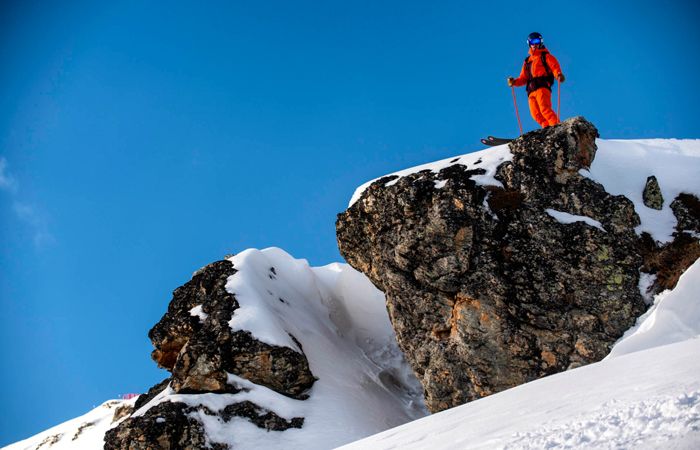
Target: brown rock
x,y
486,299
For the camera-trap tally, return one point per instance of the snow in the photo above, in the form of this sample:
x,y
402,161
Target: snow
x,y
646,283
197,312
364,384
674,317
489,160
645,394
625,402
439,184
566,218
622,166
84,432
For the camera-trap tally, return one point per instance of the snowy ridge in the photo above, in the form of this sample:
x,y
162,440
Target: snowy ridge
x,y
489,160
84,432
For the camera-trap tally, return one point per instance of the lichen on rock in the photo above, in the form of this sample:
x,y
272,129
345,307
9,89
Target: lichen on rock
x,y
485,289
651,195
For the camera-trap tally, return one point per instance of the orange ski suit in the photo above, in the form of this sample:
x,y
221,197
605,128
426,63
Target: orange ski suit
x,y
539,89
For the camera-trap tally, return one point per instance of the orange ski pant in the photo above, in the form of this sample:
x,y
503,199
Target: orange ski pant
x,y
541,107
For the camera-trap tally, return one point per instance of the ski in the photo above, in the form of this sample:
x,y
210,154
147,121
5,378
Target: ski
x,y
492,141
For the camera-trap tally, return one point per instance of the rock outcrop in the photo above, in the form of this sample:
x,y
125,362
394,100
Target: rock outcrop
x,y
490,287
240,341
195,342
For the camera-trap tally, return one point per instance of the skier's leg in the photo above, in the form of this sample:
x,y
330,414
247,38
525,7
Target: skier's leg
x,y
535,109
544,101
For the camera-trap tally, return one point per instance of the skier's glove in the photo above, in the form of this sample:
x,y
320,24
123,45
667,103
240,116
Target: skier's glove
x,y
511,81
561,78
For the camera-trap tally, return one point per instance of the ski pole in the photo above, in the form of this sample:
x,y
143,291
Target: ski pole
x,y
517,114
559,100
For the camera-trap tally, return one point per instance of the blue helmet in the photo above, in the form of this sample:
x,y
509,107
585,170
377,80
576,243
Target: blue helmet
x,y
535,39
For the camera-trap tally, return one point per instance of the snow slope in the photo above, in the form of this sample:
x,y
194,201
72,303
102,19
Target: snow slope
x,y
364,384
84,432
646,394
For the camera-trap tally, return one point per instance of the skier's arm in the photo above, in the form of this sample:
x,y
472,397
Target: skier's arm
x,y
554,65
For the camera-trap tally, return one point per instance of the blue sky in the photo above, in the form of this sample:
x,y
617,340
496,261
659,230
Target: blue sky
x,y
141,140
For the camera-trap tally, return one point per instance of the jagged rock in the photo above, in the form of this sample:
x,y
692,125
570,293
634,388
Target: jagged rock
x,y
174,425
485,288
195,342
669,261
652,194
260,416
686,208
200,350
165,426
151,394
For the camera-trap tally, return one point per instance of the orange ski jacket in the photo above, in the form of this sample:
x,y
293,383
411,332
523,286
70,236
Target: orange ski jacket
x,y
534,74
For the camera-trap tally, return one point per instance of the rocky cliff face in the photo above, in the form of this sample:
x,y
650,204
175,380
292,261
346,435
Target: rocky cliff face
x,y
489,286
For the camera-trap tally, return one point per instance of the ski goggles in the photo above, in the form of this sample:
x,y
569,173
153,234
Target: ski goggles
x,y
536,41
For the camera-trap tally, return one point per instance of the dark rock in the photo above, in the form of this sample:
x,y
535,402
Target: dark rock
x,y
261,417
668,261
151,394
686,208
174,425
486,298
652,194
166,426
200,351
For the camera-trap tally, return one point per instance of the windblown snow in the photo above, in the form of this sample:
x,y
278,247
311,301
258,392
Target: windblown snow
x,y
645,394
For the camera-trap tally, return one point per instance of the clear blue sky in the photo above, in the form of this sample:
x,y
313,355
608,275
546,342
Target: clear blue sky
x,y
140,140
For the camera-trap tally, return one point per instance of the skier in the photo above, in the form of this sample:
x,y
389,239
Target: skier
x,y
538,74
